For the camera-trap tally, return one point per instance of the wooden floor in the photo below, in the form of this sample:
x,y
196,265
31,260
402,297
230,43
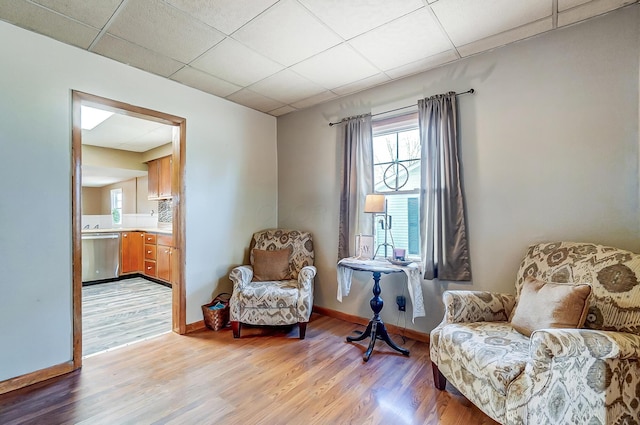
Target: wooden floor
x,y
123,312
266,377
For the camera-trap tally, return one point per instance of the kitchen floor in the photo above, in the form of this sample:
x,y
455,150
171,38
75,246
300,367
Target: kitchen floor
x,y
119,313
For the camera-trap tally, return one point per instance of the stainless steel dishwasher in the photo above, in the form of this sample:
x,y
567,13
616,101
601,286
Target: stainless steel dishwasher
x,y
100,256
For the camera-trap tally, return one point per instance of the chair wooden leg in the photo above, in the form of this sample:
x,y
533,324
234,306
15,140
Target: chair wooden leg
x,y
235,328
438,378
303,329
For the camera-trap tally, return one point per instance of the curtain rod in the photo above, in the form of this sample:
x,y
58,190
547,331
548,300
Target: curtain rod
x,y
331,124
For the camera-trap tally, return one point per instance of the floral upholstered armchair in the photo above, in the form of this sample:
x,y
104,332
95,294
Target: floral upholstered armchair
x,y
277,288
578,374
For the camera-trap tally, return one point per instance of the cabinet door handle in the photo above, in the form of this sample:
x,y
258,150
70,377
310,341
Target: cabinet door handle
x,y
148,252
149,268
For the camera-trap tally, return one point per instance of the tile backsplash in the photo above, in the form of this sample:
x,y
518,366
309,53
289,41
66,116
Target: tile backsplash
x,y
165,212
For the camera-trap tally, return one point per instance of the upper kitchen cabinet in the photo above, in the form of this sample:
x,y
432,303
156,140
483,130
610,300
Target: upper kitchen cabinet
x,y
160,178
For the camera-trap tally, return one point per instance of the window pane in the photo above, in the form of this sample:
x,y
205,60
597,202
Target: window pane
x,y
408,145
378,173
405,229
413,182
397,161
384,148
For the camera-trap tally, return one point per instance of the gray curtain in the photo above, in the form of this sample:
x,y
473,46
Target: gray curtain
x,y
357,182
443,230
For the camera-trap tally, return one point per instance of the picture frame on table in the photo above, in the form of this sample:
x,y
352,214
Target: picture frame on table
x,y
364,247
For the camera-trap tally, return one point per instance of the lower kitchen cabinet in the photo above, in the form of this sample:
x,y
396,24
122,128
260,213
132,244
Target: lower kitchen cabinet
x,y
151,254
164,257
163,263
150,268
132,254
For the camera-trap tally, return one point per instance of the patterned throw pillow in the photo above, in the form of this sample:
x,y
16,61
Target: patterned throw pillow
x,y
271,265
545,305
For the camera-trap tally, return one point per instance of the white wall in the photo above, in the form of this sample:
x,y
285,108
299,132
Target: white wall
x,y
231,186
549,148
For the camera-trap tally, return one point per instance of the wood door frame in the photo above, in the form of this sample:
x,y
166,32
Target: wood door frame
x,y
177,192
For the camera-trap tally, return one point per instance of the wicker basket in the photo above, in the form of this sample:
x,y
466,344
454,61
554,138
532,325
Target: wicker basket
x,y
219,318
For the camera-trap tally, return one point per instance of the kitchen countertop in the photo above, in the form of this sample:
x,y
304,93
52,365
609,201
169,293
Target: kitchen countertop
x,y
161,230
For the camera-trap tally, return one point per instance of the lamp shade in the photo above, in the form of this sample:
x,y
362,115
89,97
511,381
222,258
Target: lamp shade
x,y
374,204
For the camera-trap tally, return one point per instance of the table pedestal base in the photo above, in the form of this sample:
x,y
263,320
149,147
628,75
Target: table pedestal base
x,y
376,329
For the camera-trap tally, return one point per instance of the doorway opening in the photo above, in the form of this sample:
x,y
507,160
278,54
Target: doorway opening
x,y
128,233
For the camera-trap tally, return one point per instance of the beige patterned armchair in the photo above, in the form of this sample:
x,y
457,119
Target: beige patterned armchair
x,y
589,375
277,288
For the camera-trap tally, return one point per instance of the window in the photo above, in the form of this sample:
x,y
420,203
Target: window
x,y
116,206
396,173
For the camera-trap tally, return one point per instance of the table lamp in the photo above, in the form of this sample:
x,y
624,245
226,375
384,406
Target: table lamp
x,y
377,204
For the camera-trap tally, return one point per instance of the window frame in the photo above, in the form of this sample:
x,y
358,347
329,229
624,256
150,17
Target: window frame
x,y
396,125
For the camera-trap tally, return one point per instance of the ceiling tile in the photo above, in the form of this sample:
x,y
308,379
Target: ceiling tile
x,y
134,55
588,10
234,62
350,18
162,28
287,33
150,140
362,84
314,100
94,13
506,37
282,111
205,82
470,20
224,15
43,21
124,132
423,64
568,4
402,41
287,87
335,67
254,100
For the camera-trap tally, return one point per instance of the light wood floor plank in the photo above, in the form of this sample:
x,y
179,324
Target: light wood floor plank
x,y
123,312
268,376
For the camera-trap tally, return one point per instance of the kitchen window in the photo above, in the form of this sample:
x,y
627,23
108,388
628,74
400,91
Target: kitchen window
x,y
396,171
116,206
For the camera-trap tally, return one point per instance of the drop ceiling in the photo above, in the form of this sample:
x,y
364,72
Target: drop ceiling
x,y
279,56
128,133
125,133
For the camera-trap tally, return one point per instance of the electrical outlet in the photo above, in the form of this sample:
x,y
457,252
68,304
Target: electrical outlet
x,y
402,302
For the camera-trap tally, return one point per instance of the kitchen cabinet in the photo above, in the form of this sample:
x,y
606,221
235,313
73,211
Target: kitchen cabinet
x,y
160,178
132,253
153,182
164,173
164,263
150,254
